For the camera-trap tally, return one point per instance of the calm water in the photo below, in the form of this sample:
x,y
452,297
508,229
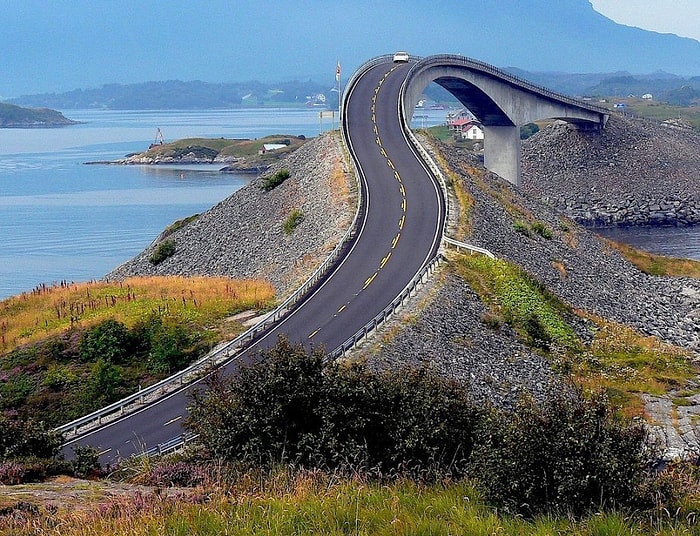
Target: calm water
x,y
672,241
63,220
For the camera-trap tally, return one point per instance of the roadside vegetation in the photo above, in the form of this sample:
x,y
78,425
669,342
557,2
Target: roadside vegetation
x,y
68,350
652,264
296,445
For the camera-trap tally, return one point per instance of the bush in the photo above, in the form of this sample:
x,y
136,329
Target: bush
x,y
541,229
109,341
164,250
290,407
293,221
22,438
275,180
570,455
86,461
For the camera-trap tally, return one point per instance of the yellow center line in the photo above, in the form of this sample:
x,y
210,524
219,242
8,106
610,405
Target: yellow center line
x,y
401,221
383,152
376,90
403,204
403,190
376,131
341,309
379,142
369,280
103,452
374,97
390,163
398,177
395,241
384,260
374,118
314,333
171,421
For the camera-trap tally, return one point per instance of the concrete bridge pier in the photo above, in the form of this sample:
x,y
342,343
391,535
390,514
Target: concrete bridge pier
x,y
502,152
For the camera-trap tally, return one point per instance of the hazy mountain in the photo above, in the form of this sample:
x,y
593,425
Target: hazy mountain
x,y
59,46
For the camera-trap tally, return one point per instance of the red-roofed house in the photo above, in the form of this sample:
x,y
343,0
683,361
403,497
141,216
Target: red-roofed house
x,y
467,128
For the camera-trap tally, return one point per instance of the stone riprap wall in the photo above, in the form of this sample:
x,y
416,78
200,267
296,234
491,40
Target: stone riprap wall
x,y
243,236
634,172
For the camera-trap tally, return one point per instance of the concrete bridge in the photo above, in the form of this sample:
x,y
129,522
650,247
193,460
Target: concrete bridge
x,y
501,101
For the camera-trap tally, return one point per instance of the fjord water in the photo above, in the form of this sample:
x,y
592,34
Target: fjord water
x,y
63,220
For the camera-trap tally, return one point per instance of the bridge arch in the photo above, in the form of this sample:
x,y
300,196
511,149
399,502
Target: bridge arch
x,y
501,101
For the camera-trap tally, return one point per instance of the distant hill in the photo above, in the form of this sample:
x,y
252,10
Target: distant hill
x,y
175,94
17,117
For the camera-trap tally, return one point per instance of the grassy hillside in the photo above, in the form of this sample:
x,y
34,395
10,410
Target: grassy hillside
x,y
67,350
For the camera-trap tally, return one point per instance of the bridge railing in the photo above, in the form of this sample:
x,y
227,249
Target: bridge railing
x,y
441,59
219,355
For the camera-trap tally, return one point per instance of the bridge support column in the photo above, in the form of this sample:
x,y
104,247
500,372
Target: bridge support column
x,y
502,152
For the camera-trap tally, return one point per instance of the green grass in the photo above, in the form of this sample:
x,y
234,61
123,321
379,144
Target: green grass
x,y
229,147
317,504
293,220
619,359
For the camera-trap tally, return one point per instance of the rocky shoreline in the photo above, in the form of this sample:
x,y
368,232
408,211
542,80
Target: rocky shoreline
x,y
243,236
635,172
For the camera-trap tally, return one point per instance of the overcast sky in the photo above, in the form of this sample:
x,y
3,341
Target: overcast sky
x,y
681,17
56,46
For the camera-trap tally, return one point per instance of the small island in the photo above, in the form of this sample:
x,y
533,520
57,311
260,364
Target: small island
x,y
235,155
12,116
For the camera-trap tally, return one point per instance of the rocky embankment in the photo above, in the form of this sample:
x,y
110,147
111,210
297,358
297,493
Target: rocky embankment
x,y
634,172
574,264
243,236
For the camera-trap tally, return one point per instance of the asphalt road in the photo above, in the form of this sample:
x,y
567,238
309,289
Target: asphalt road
x,y
399,233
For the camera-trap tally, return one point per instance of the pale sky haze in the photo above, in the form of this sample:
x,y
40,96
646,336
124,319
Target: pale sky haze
x,y
681,17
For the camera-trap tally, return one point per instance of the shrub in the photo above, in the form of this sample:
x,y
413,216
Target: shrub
x,y
293,221
108,340
22,438
164,250
522,228
541,229
272,181
86,461
291,407
571,454
177,474
11,473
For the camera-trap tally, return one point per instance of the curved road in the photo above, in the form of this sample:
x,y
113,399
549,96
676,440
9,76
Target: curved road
x,y
398,234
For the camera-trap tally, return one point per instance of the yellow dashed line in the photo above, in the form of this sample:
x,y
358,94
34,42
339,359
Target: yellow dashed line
x,y
379,142
395,240
314,333
374,97
402,221
171,421
403,204
341,309
390,164
398,177
374,118
376,132
384,260
383,152
369,280
403,190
